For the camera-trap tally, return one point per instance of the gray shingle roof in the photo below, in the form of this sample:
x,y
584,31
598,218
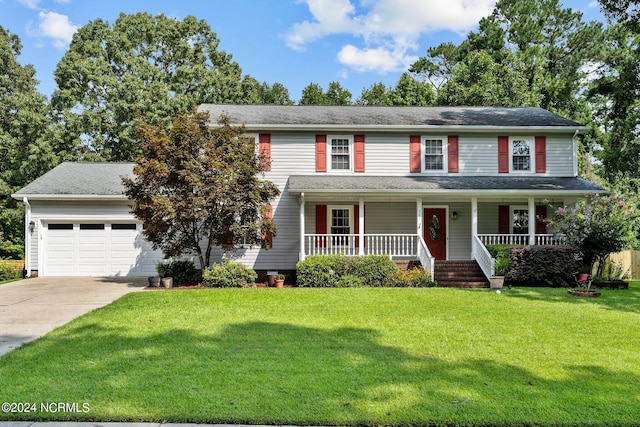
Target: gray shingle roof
x,y
426,184
80,179
313,115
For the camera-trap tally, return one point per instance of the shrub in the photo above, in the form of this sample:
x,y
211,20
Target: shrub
x,y
328,270
349,281
228,274
319,271
10,250
543,265
182,271
502,255
6,273
414,278
374,270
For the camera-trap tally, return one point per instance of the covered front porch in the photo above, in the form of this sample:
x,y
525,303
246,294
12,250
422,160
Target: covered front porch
x,y
426,223
426,230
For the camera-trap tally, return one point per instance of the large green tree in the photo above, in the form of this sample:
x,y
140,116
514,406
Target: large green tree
x,y
615,93
535,46
198,183
152,65
407,91
24,134
313,94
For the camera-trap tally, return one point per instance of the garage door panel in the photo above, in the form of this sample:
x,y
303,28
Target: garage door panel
x,y
99,250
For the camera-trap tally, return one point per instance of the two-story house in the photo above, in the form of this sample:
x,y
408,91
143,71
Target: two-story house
x,y
427,183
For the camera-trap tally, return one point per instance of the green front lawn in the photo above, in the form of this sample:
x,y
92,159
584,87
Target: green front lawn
x,y
340,356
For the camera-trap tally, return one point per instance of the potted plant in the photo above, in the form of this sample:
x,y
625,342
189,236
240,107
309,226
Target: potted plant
x,y
583,280
501,268
279,279
583,273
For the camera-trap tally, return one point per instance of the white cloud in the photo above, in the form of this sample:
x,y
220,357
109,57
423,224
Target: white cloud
x,y
57,27
388,28
379,59
31,4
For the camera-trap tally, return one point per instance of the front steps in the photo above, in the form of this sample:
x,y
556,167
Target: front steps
x,y
452,274
460,274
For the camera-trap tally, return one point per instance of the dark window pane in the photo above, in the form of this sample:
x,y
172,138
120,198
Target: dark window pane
x,y
91,226
123,226
60,226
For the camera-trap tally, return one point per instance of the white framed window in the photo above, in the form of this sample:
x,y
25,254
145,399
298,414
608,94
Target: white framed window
x,y
340,152
521,156
519,220
434,154
340,220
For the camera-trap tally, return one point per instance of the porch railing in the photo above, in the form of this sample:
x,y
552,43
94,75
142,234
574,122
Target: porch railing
x,y
428,261
394,245
483,257
521,239
399,245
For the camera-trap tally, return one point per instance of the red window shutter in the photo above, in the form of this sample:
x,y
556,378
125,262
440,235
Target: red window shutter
x,y
321,225
321,153
541,154
415,164
541,214
504,219
358,151
265,150
452,151
267,238
503,154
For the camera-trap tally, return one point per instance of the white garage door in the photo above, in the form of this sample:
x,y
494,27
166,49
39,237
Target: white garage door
x,y
98,249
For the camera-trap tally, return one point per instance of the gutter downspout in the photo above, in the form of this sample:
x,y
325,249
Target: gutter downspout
x,y
27,238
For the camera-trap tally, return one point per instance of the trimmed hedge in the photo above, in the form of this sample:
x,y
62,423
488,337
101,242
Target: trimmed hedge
x,y
328,271
228,274
182,271
413,278
543,265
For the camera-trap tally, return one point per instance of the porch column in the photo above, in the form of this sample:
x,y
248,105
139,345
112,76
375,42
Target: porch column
x,y
532,221
474,224
419,219
361,226
301,255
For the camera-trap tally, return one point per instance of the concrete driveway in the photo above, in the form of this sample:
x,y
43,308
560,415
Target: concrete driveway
x,y
30,308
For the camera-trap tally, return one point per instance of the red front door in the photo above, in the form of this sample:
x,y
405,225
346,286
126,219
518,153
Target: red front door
x,y
435,231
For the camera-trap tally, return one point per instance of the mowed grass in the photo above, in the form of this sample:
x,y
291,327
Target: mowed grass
x,y
340,357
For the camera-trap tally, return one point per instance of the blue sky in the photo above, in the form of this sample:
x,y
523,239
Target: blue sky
x,y
294,42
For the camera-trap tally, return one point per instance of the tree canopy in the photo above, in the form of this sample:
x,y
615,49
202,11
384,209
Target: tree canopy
x,y
25,146
407,91
152,65
198,183
313,94
534,49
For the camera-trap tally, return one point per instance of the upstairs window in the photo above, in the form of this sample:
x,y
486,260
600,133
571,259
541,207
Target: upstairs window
x,y
340,153
434,154
521,159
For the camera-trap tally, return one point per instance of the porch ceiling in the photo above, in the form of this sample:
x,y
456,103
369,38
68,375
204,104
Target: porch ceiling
x,y
460,185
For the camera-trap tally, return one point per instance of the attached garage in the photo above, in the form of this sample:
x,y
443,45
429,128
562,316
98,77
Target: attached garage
x,y
97,249
79,223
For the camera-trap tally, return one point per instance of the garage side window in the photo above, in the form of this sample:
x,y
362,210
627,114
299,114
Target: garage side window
x,y
91,226
60,226
123,226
